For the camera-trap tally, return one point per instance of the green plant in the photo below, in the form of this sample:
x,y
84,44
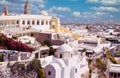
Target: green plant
x,y
110,57
84,50
1,57
51,51
28,42
47,42
32,34
35,65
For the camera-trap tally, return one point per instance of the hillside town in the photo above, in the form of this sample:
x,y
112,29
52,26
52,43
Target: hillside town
x,y
41,46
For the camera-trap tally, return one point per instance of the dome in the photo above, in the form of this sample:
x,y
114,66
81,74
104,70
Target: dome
x,y
44,13
64,48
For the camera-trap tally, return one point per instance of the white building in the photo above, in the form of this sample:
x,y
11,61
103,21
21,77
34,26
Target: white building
x,y
113,70
27,39
41,21
67,65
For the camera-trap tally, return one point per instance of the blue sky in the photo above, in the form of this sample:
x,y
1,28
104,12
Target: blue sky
x,y
70,10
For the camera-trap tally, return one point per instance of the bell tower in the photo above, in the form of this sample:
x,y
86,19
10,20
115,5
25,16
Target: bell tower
x,y
27,7
5,10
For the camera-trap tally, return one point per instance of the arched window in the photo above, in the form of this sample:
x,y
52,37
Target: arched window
x,y
75,70
28,22
42,22
33,22
46,22
17,22
71,55
60,55
23,22
49,72
38,23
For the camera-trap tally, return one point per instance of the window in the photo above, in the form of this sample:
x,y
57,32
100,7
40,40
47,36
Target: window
x,y
60,55
38,22
23,22
118,74
42,23
49,73
17,22
71,55
28,22
33,22
46,22
82,75
76,70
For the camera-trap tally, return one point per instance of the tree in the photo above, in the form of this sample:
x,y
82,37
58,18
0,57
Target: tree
x,y
51,51
84,50
111,33
35,65
1,57
47,42
118,35
110,57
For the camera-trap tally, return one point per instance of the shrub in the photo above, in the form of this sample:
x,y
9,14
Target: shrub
x,y
51,51
1,58
47,42
110,57
35,65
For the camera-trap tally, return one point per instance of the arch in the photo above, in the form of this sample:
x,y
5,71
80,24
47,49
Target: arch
x,y
53,71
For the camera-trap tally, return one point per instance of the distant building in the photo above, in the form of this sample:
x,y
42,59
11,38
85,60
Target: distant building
x,y
113,70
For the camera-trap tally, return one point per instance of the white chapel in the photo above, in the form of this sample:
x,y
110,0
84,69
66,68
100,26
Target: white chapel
x,y
67,64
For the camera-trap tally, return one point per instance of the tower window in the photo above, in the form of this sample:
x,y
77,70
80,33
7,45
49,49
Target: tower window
x,y
49,73
60,55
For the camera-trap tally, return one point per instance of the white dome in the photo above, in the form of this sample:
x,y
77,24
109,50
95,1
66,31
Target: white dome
x,y
44,13
64,48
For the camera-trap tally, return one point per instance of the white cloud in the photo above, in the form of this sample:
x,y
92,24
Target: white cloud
x,y
76,14
4,2
102,8
17,6
59,8
110,2
100,13
73,0
105,2
93,1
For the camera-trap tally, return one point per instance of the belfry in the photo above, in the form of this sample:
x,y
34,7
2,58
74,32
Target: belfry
x,y
27,7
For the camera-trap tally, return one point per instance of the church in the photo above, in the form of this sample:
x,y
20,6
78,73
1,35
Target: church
x,y
41,22
67,64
